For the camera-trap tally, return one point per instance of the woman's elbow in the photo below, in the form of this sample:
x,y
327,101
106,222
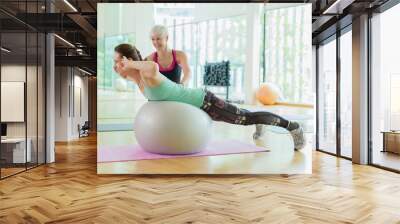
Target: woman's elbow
x,y
187,73
188,76
154,67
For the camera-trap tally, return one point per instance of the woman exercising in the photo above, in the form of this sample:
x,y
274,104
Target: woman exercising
x,y
128,64
170,62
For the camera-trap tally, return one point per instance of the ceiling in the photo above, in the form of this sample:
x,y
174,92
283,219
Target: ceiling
x,y
76,23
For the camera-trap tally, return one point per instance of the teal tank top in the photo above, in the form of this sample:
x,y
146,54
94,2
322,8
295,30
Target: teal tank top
x,y
171,91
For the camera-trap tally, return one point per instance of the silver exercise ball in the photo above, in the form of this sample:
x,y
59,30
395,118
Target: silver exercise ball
x,y
172,128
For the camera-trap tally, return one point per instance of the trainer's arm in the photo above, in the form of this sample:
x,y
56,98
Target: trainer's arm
x,y
183,62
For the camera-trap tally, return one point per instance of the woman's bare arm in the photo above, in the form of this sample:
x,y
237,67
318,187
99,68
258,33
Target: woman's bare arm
x,y
149,69
183,62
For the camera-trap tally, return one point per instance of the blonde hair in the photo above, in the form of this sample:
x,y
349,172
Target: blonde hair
x,y
159,30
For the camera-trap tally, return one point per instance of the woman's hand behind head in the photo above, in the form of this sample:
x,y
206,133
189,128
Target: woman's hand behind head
x,y
125,63
119,68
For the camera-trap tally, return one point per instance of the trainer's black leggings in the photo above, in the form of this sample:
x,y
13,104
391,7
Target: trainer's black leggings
x,y
219,110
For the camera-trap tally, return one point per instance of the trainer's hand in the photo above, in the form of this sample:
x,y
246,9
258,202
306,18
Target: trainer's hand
x,y
125,63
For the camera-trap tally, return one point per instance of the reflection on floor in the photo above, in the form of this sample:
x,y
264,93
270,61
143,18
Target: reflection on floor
x,y
387,159
281,158
10,171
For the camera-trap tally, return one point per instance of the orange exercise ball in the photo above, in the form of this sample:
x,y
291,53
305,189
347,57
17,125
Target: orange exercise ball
x,y
268,93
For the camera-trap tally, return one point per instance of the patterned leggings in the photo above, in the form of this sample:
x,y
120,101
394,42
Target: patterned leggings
x,y
219,110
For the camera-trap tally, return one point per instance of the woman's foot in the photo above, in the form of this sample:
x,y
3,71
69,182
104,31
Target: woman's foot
x,y
297,133
295,130
260,130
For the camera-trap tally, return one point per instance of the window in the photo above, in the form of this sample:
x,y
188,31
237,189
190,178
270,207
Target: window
x,y
327,97
107,77
346,94
385,89
224,38
22,79
285,58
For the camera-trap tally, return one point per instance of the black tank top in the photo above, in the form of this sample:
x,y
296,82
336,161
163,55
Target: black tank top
x,y
173,71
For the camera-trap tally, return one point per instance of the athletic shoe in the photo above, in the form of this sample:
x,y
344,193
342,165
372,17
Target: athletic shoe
x,y
298,138
260,130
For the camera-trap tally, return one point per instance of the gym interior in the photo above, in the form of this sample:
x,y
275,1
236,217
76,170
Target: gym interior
x,y
209,35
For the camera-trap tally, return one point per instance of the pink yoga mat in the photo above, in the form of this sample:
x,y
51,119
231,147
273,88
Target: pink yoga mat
x,y
134,152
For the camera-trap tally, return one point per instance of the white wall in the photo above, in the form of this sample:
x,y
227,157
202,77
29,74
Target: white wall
x,y
68,82
61,103
123,18
79,118
13,73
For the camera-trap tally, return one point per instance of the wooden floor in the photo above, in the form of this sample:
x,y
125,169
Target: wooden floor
x,y
70,191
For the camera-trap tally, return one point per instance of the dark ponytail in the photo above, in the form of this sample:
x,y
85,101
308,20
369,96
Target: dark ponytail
x,y
129,52
138,54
